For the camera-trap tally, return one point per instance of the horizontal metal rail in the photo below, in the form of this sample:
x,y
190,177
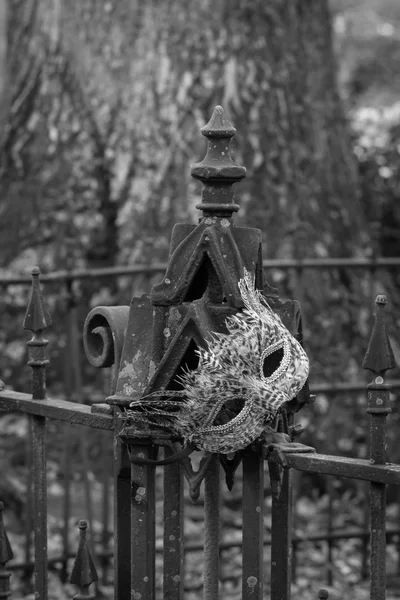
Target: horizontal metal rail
x,y
198,547
62,410
342,466
156,268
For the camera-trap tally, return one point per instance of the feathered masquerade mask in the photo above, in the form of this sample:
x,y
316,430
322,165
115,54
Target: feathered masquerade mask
x,y
240,383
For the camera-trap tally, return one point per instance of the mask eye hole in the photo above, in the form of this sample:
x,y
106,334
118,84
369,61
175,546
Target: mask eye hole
x,y
272,362
275,360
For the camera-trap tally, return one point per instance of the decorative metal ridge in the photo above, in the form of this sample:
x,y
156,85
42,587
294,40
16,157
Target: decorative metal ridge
x,y
217,170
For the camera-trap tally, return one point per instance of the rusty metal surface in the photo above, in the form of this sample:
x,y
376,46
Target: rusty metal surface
x,y
122,518
62,410
211,529
83,572
6,554
342,466
173,548
40,504
143,540
37,319
253,526
281,540
378,359
136,364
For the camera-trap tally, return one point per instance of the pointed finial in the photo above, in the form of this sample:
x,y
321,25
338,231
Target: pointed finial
x,y
323,594
217,170
37,319
379,357
37,316
83,572
6,554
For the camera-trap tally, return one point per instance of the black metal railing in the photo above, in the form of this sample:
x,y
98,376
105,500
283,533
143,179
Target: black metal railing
x,y
135,481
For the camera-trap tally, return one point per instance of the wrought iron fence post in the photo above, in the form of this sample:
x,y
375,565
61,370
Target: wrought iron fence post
x,y
37,319
378,359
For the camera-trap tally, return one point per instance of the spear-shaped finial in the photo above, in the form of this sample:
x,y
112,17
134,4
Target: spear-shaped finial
x,y
323,594
83,572
217,170
379,357
37,318
6,554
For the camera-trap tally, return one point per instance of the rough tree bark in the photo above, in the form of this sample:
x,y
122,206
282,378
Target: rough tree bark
x,y
129,84
271,65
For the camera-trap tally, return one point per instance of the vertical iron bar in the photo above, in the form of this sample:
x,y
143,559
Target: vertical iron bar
x,y
69,382
28,521
378,398
211,529
66,500
378,359
105,507
88,494
365,525
143,532
37,319
173,532
253,526
122,518
40,505
281,542
329,574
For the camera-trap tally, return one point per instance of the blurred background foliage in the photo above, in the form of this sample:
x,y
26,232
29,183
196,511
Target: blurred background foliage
x,y
100,109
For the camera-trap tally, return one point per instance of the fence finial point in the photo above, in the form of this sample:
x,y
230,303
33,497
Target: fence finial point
x,y
84,571
379,357
37,316
218,126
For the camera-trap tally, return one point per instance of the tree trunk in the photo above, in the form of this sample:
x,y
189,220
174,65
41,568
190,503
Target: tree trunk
x,y
271,65
133,82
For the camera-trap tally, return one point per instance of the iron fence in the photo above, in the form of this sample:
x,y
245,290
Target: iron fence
x,y
134,519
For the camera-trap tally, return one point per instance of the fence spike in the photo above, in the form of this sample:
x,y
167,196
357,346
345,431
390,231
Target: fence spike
x,y
37,318
6,554
323,594
379,357
83,572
